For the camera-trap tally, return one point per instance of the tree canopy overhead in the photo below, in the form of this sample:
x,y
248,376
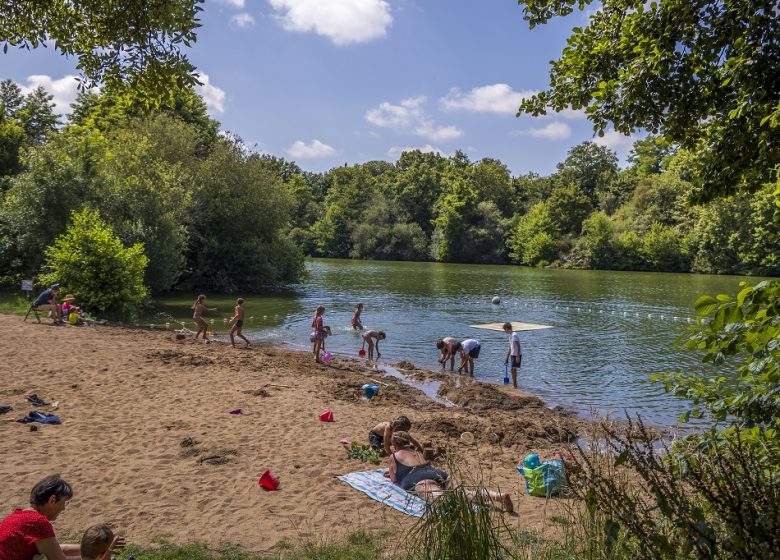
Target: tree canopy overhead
x,y
135,43
702,73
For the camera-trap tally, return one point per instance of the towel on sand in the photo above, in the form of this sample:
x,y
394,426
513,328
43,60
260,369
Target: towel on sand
x,y
42,417
381,489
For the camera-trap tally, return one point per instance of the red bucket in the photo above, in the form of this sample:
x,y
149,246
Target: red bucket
x,y
362,352
327,416
268,481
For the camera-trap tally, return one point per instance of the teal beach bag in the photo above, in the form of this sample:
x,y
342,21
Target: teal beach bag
x,y
543,479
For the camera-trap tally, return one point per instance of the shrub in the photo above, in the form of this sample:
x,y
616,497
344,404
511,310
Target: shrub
x,y
90,261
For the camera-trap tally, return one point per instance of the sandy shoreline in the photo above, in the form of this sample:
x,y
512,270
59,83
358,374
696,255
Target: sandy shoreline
x,y
149,446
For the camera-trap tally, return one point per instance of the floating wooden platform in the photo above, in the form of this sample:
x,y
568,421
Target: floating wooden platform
x,y
516,325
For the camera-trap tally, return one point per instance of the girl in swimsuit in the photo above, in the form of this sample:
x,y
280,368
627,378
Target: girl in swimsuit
x,y
356,324
318,333
198,308
409,470
368,338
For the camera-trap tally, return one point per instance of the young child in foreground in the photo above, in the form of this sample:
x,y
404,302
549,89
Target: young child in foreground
x,y
238,317
99,542
368,338
356,323
381,436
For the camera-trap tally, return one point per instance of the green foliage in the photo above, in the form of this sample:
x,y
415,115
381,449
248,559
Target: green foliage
x,y
458,527
146,56
569,206
533,240
363,453
597,245
702,74
239,211
381,235
91,262
662,249
745,331
589,167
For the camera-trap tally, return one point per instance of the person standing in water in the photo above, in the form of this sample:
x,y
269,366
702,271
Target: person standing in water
x,y
514,352
198,308
356,323
368,338
318,333
238,317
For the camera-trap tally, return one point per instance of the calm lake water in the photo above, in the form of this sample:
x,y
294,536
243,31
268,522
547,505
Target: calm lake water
x,y
611,330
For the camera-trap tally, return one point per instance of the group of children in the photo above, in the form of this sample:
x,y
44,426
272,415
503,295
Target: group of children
x,y
469,351
448,346
320,332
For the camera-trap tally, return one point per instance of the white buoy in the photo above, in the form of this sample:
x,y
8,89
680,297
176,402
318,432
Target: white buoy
x,y
496,300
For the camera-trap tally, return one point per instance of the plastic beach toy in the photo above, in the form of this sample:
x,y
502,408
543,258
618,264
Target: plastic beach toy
x,y
467,438
268,481
362,352
326,357
327,416
235,411
506,374
371,390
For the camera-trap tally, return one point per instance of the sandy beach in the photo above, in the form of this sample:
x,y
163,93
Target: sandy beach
x,y
149,445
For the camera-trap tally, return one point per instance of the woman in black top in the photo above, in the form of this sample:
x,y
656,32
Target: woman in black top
x,y
409,470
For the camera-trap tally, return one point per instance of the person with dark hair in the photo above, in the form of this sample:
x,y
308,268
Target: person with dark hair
x,y
448,347
238,317
409,470
27,532
47,301
380,437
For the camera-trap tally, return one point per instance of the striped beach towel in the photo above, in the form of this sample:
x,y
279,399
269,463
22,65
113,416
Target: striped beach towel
x,y
381,489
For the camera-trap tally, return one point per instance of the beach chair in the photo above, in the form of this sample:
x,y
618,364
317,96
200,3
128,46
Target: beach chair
x,y
32,309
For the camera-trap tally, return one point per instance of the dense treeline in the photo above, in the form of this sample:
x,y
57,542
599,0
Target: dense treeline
x,y
207,213
588,214
212,215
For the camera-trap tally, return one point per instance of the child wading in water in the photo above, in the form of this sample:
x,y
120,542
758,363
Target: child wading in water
x,y
238,317
356,324
198,308
368,338
318,334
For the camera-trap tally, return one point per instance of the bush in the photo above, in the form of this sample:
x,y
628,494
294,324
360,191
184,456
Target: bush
x,y
90,261
596,243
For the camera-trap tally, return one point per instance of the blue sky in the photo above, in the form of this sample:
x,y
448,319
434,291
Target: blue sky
x,y
328,82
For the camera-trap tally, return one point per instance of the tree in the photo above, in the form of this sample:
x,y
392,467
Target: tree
x,y
650,155
568,207
533,240
590,167
90,261
36,115
596,244
702,74
138,44
381,235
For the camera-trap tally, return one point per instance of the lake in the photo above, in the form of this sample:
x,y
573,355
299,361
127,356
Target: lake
x,y
611,330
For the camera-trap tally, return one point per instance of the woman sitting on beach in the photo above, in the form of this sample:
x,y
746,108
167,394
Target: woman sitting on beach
x,y
409,470
27,532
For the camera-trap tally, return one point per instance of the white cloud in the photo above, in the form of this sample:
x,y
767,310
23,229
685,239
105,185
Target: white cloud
x,y
495,98
316,149
233,3
410,116
341,21
616,141
556,130
243,20
570,114
396,151
65,90
213,97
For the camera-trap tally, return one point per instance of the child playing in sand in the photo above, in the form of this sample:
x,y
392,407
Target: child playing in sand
x,y
198,308
238,317
99,542
514,352
356,324
368,338
380,436
318,333
448,346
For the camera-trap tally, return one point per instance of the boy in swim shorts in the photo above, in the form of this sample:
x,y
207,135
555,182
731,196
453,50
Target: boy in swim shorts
x,y
238,317
469,351
514,352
